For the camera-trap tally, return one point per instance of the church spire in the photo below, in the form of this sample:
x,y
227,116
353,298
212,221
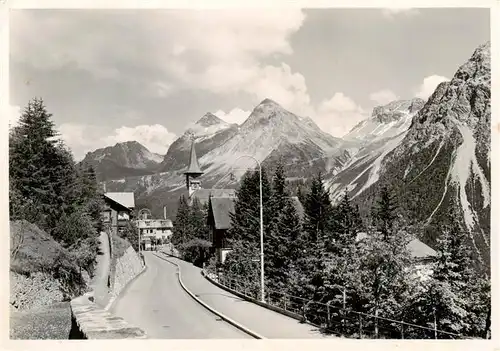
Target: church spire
x,y
194,167
193,171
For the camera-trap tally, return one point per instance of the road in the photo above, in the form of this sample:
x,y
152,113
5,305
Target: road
x,y
261,320
156,303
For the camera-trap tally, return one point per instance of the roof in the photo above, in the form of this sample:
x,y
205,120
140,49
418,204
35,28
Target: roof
x,y
420,250
417,248
204,194
194,167
221,207
299,208
124,199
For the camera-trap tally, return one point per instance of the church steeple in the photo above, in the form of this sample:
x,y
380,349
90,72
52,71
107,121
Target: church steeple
x,y
193,171
194,167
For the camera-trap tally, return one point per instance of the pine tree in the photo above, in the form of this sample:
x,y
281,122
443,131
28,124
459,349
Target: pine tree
x,y
457,298
347,221
384,212
197,220
41,168
182,226
244,234
318,211
281,241
318,232
382,277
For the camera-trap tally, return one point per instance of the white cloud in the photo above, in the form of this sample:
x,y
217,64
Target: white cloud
x,y
219,50
395,11
236,115
155,137
383,96
428,86
339,114
84,138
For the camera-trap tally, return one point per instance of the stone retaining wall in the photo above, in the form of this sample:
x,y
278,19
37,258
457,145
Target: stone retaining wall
x,y
127,267
89,321
92,321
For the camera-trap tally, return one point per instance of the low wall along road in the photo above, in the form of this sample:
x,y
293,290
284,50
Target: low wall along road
x,y
90,314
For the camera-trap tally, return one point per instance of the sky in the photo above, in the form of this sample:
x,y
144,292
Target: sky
x,y
110,76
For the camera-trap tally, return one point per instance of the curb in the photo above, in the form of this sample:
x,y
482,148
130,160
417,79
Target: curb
x,y
293,315
112,300
224,317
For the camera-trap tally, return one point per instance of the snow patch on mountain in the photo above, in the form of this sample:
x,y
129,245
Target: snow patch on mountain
x,y
465,162
376,165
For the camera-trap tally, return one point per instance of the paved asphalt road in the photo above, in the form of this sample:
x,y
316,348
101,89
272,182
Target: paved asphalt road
x,y
261,320
156,303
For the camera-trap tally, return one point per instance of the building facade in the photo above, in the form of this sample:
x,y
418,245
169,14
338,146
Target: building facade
x,y
160,229
219,221
118,211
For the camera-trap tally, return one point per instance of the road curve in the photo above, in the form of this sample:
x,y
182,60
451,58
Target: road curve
x,y
156,303
267,323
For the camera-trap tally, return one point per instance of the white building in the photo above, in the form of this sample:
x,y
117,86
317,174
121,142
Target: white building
x,y
155,228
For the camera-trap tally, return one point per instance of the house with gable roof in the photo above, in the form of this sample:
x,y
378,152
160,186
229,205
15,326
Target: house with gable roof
x,y
118,211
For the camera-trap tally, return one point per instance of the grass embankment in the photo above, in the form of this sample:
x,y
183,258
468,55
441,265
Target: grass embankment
x,y
52,323
44,276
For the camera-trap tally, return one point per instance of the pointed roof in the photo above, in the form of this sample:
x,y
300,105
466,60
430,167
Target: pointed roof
x,y
126,199
194,167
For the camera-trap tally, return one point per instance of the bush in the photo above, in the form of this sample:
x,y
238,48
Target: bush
x,y
84,253
74,227
196,251
131,234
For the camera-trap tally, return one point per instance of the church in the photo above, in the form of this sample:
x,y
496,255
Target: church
x,y
220,205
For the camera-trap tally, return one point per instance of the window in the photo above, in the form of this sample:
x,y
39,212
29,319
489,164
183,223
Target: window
x,y
123,215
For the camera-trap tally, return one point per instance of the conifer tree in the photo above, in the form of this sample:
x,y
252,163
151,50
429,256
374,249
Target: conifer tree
x,y
457,298
381,277
182,226
197,220
41,168
318,211
244,234
384,212
318,227
346,221
281,241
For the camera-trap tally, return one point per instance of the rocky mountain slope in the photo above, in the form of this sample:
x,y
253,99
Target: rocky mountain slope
x,y
435,154
269,133
208,133
443,161
372,140
123,159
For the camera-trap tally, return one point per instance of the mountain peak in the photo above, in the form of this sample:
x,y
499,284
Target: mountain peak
x,y
395,110
209,119
268,101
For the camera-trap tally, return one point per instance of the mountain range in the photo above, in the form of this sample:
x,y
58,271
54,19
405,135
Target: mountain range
x,y
434,154
126,159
